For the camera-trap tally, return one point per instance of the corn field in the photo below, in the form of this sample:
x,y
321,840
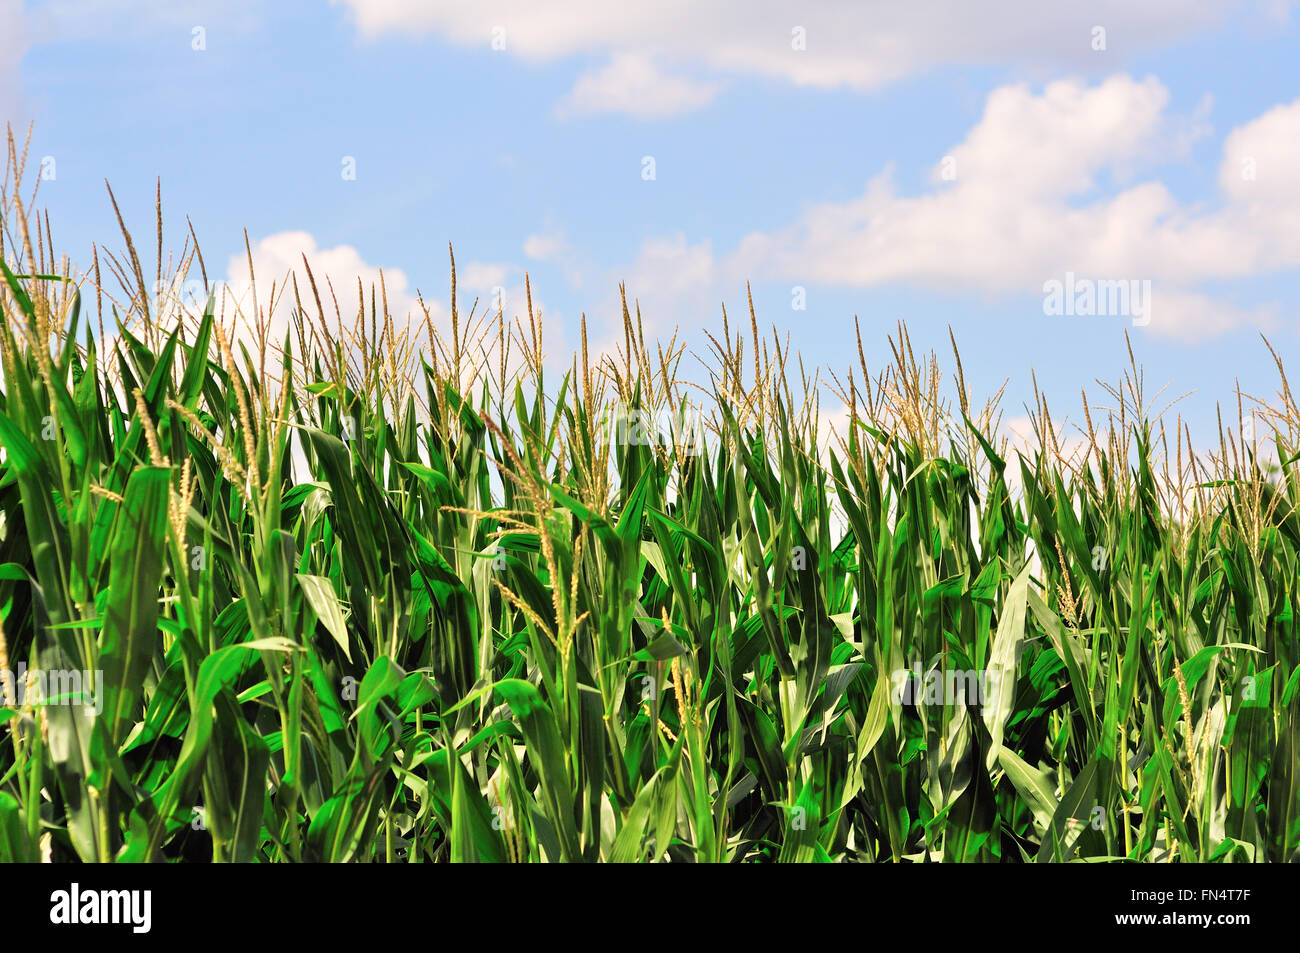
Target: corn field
x,y
309,581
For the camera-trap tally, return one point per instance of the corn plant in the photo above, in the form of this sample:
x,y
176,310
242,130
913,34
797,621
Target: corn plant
x,y
343,587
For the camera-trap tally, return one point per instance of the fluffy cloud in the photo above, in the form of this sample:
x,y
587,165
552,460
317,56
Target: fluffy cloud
x,y
672,278
481,276
544,246
675,283
278,256
1045,185
631,84
1016,209
1260,173
820,43
493,285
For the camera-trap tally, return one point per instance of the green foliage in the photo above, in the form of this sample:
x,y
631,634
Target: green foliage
x,y
342,612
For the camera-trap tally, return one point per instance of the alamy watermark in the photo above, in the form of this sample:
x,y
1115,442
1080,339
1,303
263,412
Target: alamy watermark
x,y
39,688
680,428
76,906
943,687
176,292
1107,297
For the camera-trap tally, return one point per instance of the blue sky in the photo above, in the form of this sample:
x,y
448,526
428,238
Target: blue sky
x,y
519,131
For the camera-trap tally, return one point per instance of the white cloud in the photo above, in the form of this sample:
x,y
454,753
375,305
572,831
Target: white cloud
x,y
1193,316
481,276
494,285
279,256
276,256
1020,210
1027,207
551,245
1261,161
674,282
1055,143
862,46
544,247
338,271
632,84
670,265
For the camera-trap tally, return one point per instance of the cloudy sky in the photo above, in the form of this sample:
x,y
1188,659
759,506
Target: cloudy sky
x,y
939,161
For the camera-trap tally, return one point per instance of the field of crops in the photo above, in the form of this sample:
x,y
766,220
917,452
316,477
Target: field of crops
x,y
336,587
